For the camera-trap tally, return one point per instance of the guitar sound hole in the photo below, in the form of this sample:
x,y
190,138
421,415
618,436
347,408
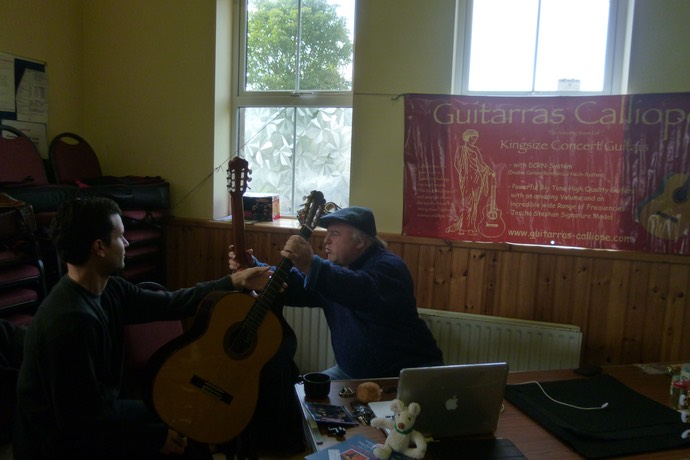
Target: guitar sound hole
x,y
680,195
239,341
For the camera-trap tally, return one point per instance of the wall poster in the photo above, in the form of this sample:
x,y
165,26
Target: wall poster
x,y
24,98
606,172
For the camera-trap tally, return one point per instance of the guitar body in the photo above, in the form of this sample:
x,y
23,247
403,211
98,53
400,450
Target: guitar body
x,y
206,383
666,215
491,224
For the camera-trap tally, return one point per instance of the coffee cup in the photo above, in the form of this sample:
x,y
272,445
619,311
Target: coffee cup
x,y
317,385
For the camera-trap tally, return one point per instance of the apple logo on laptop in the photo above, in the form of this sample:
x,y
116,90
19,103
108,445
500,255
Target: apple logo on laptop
x,y
452,403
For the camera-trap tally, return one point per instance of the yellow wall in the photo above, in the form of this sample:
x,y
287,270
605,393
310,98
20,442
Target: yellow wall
x,y
149,71
660,58
400,47
49,31
137,79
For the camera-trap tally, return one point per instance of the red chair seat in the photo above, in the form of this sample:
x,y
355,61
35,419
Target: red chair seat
x,y
18,274
17,297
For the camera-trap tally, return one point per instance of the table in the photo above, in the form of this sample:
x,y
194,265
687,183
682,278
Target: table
x,y
531,438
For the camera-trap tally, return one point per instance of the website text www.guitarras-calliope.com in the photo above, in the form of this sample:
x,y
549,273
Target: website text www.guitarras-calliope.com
x,y
587,236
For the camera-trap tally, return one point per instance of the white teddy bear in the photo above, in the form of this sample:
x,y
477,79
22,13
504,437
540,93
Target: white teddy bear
x,y
401,434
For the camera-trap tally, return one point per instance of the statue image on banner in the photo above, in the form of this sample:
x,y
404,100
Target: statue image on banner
x,y
476,186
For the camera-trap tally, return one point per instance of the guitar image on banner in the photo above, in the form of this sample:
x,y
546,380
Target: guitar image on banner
x,y
666,215
206,382
238,178
491,224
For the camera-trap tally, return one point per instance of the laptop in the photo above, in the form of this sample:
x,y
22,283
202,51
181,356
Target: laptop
x,y
457,400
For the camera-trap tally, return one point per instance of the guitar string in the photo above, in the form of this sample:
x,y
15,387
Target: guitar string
x,y
272,290
256,316
267,298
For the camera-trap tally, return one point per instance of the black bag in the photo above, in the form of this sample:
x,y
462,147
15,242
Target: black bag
x,y
16,218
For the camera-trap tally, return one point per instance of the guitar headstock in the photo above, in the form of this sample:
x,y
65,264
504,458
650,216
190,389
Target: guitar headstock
x,y
313,209
238,176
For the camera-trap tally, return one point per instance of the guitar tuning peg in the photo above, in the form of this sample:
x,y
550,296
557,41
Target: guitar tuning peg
x,y
249,179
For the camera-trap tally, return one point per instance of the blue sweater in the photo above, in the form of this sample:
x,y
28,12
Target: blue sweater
x,y
371,312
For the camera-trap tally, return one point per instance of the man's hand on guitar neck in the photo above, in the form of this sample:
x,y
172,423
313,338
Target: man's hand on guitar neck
x,y
251,279
300,252
233,264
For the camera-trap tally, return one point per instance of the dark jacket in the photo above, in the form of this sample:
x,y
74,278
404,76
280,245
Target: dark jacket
x,y
71,374
371,312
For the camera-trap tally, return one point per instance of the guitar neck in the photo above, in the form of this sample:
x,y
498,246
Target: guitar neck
x,y
240,248
275,285
313,210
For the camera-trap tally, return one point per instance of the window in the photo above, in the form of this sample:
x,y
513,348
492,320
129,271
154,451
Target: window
x,y
544,46
294,101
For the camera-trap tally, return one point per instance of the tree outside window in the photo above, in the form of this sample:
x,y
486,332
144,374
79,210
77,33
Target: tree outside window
x,y
295,99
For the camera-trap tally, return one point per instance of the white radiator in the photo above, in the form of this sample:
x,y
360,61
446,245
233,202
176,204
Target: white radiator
x,y
463,338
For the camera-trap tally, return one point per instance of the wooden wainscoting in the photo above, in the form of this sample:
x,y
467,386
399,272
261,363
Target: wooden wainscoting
x,y
632,307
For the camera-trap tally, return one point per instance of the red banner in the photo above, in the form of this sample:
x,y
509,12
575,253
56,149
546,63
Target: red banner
x,y
609,172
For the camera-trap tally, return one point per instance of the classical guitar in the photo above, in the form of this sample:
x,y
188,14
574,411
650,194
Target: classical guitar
x,y
666,215
205,383
491,224
238,178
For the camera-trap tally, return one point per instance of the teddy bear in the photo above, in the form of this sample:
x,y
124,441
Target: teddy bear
x,y
401,434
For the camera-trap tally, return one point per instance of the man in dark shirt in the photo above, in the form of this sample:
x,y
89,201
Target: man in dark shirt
x,y
367,295
71,374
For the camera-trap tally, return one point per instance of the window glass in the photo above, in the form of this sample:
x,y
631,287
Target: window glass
x,y
271,52
540,46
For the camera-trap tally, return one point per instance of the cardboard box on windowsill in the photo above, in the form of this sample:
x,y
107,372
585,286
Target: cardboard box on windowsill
x,y
261,206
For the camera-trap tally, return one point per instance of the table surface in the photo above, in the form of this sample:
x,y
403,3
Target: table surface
x,y
532,439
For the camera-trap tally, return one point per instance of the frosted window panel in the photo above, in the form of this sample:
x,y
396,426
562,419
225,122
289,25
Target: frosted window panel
x,y
292,151
323,153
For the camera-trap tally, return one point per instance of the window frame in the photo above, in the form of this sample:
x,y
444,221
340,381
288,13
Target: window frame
x,y
243,98
617,53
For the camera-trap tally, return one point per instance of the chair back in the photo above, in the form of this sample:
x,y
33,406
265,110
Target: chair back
x,y
21,162
141,341
72,159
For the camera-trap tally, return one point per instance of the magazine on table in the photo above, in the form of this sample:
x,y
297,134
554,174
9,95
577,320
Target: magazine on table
x,y
329,414
355,448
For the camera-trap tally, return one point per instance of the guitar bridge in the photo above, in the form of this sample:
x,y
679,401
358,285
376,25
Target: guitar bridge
x,y
211,389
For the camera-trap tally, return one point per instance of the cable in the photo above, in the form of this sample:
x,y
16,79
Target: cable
x,y
603,406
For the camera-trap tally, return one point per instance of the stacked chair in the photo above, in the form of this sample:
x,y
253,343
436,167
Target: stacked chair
x,y
23,178
75,172
143,200
22,275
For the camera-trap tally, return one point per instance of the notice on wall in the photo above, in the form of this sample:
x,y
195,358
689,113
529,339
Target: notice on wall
x,y
608,172
24,98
